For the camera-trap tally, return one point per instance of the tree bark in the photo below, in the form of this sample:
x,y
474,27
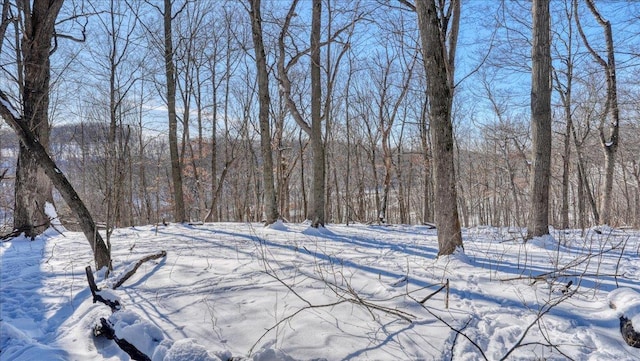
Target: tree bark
x,y
5,20
176,168
39,156
538,224
316,213
426,164
270,203
565,96
438,63
32,187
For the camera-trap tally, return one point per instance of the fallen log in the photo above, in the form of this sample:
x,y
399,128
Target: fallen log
x,y
109,332
627,302
106,327
629,334
96,292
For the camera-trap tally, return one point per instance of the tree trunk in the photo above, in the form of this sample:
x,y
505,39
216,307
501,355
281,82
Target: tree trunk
x,y
636,175
426,163
565,97
347,178
40,157
32,187
176,168
566,160
540,120
609,135
270,203
316,213
438,63
5,20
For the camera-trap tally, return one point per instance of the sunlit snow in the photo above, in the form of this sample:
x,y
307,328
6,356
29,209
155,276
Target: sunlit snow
x,y
291,292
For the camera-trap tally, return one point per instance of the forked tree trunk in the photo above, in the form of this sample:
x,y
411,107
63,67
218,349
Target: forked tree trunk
x,y
608,129
315,213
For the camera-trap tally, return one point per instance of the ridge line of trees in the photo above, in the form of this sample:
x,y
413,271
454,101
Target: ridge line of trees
x,y
327,111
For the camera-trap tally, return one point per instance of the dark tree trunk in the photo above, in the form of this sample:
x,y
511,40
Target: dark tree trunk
x,y
540,120
566,160
565,92
439,69
176,168
270,203
316,213
426,150
32,188
5,20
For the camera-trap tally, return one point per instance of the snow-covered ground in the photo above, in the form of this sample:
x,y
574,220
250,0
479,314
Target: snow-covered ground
x,y
290,292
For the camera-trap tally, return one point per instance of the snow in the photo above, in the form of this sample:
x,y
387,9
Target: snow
x,y
294,292
129,326
627,302
109,295
50,211
189,350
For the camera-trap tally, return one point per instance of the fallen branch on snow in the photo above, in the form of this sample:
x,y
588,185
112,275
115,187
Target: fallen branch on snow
x,y
114,305
629,334
130,273
106,297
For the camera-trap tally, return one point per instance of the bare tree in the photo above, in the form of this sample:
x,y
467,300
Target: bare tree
x,y
176,167
438,50
222,52
119,69
538,224
505,137
608,131
316,214
563,80
270,203
32,187
313,130
389,102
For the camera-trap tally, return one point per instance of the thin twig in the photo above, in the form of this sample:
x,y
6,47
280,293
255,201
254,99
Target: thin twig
x,y
457,331
432,294
543,311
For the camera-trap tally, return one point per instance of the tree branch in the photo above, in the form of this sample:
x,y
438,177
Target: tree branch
x,y
130,273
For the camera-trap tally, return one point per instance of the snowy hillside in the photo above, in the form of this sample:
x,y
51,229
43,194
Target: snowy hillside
x,y
290,292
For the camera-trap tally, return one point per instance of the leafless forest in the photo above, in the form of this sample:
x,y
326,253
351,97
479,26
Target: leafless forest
x,y
154,111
